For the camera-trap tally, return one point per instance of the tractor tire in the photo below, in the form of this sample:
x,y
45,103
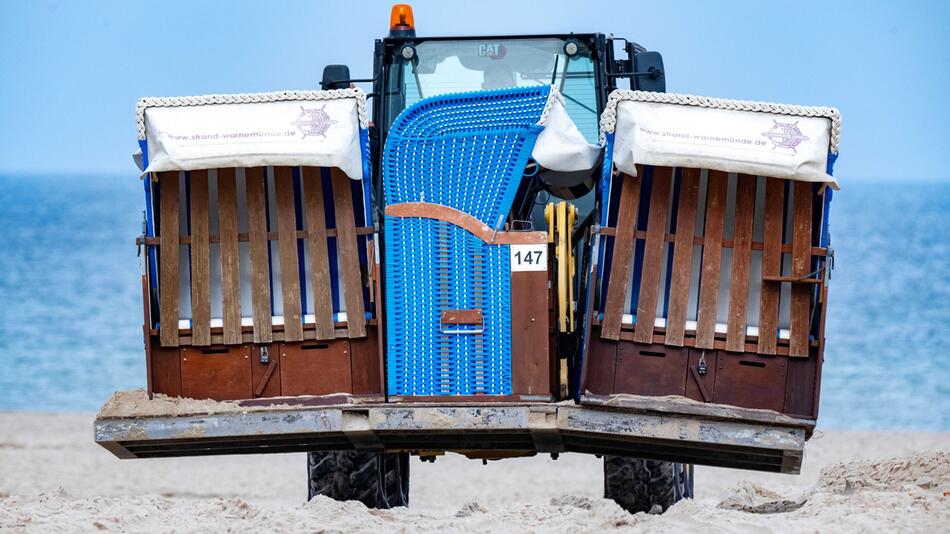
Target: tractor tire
x,y
640,485
378,480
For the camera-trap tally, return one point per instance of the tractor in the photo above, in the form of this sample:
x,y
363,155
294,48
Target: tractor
x,y
462,268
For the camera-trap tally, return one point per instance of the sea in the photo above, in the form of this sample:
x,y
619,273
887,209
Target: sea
x,y
71,312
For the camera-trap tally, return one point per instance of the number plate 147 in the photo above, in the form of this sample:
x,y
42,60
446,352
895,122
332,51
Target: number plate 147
x,y
529,257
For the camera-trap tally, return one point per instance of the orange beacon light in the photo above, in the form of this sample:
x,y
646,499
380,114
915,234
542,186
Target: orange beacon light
x,y
401,23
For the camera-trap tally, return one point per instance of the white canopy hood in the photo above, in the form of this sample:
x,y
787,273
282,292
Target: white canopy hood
x,y
287,128
756,138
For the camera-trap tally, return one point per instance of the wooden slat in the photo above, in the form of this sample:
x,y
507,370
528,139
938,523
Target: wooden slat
x,y
319,263
741,260
287,246
230,262
168,255
200,260
771,264
610,231
360,230
653,253
801,266
349,258
792,279
622,257
712,255
260,271
682,257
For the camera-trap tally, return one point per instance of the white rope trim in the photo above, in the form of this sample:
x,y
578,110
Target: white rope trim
x,y
251,98
608,119
553,96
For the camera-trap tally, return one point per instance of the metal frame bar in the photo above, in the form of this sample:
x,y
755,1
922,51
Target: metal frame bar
x,y
518,426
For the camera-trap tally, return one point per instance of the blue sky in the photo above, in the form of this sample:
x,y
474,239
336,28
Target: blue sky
x,y
70,72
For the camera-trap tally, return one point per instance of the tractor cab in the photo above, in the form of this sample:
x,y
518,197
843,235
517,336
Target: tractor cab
x,y
584,67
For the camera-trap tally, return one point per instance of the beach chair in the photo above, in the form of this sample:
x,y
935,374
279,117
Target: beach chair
x,y
466,297
260,275
712,260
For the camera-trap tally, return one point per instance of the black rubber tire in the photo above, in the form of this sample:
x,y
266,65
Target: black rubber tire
x,y
638,485
378,480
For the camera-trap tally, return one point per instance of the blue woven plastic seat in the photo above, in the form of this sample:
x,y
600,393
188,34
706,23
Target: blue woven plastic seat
x,y
467,152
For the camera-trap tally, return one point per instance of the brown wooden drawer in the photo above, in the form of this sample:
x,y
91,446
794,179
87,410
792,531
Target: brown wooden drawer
x,y
315,368
751,381
651,369
219,373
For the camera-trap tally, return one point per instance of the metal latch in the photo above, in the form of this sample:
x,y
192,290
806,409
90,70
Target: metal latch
x,y
701,366
265,355
831,260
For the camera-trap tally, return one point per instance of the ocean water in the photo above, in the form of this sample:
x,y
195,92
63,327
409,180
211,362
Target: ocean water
x,y
70,300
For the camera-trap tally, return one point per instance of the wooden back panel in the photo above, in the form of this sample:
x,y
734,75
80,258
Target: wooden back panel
x,y
678,214
303,206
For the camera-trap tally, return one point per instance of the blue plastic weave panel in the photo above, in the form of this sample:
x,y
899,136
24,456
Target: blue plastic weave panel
x,y
462,273
464,113
467,152
477,174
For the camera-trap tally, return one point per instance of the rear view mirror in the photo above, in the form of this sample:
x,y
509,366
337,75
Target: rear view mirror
x,y
648,72
335,77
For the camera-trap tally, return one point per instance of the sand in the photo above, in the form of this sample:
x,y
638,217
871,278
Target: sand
x,y
53,478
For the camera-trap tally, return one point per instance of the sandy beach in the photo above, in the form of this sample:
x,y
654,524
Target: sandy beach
x,y
53,478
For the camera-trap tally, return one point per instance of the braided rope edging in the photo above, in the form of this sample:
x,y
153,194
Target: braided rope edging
x,y
608,120
553,96
250,98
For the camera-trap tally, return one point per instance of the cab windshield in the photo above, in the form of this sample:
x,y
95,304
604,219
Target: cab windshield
x,y
472,65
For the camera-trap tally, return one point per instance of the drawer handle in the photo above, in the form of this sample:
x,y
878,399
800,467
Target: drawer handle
x,y
450,319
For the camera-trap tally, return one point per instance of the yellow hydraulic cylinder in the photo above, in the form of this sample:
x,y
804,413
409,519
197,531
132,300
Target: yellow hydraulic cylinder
x,y
561,217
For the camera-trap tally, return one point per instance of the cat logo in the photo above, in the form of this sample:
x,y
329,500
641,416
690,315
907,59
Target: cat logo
x,y
492,50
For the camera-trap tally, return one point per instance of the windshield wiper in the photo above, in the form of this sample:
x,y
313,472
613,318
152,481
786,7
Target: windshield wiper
x,y
418,82
579,103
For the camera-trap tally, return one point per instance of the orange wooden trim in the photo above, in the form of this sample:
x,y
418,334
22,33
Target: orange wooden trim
x,y
463,220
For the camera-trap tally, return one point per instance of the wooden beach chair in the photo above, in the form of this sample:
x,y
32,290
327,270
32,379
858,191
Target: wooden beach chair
x,y
262,280
465,316
711,282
